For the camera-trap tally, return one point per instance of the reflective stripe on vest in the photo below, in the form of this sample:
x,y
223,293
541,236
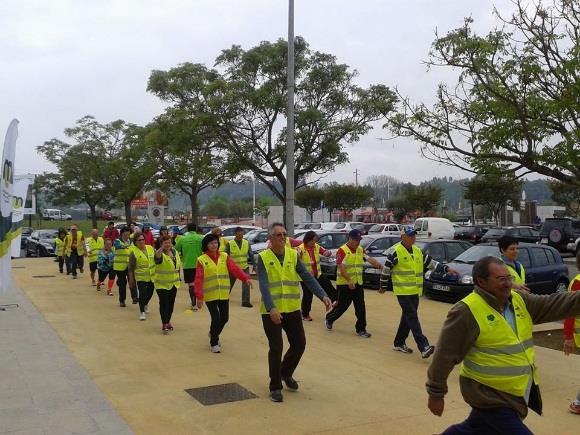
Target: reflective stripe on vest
x,y
94,247
216,279
121,259
283,280
518,279
167,273
305,257
240,256
407,274
577,319
353,263
144,264
500,358
79,243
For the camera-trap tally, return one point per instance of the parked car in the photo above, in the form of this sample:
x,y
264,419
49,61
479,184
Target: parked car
x,y
521,234
54,214
330,240
394,229
205,228
256,236
229,230
307,226
471,233
342,226
26,232
441,250
562,234
41,243
546,273
434,228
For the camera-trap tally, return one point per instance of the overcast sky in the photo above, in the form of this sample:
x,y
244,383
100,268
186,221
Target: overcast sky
x,y
63,59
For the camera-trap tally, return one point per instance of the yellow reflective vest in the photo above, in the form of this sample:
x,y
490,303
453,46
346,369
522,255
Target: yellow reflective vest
x,y
144,263
240,255
167,273
517,278
68,241
577,320
353,262
94,247
308,261
223,243
283,280
122,251
407,274
216,279
59,247
501,358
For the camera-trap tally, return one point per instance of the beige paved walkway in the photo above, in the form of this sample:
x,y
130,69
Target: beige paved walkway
x,y
348,385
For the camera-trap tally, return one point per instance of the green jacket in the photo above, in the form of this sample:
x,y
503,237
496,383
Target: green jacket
x,y
189,246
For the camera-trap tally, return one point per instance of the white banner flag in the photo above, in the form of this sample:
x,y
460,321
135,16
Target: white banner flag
x,y
6,191
21,187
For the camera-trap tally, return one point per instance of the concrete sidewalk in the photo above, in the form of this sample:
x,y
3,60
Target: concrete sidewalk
x,y
43,388
348,384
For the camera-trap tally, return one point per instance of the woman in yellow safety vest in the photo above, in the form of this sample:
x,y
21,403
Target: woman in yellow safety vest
x,y
94,244
142,272
508,247
167,280
572,333
309,253
212,284
59,251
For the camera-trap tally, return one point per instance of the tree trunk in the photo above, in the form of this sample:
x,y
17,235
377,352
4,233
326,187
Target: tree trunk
x,y
194,206
128,217
93,208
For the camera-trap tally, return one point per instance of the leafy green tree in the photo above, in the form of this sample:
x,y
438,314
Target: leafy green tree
x,y
346,197
425,197
246,100
516,98
217,206
309,198
568,196
495,189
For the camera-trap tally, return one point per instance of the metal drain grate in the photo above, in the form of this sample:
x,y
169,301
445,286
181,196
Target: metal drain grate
x,y
224,393
44,276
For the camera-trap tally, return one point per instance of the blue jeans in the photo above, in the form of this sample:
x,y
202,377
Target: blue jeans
x,y
410,322
490,421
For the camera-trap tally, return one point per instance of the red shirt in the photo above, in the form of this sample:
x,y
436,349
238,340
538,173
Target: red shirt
x,y
111,234
340,254
149,239
233,269
569,322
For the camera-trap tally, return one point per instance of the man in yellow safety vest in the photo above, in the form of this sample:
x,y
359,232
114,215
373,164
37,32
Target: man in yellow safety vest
x,y
490,332
74,248
238,249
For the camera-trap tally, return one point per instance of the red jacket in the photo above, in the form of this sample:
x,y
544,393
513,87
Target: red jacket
x,y
233,269
111,234
149,239
569,322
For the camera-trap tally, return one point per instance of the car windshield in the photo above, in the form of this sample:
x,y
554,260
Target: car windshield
x,y
475,253
376,228
494,232
366,241
47,234
357,226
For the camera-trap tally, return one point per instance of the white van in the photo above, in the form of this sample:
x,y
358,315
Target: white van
x,y
54,214
434,228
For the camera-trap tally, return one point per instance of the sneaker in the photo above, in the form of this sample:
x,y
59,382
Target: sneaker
x,y
403,349
194,308
215,349
428,351
247,305
122,304
135,301
290,382
276,396
307,318
143,316
364,334
146,309
328,324
165,329
574,407
109,293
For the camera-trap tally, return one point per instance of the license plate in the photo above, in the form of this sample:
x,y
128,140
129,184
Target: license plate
x,y
441,287
544,240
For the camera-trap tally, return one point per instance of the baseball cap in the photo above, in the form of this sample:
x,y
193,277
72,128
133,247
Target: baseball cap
x,y
355,234
408,231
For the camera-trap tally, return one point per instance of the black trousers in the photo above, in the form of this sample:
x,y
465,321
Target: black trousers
x,y
104,273
145,289
347,296
122,284
410,322
219,311
76,260
166,303
61,263
307,294
282,367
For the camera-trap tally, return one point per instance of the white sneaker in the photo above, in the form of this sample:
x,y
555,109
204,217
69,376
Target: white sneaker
x,y
143,316
146,309
215,349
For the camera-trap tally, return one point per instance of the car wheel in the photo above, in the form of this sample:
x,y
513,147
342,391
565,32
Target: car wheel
x,y
561,286
555,236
